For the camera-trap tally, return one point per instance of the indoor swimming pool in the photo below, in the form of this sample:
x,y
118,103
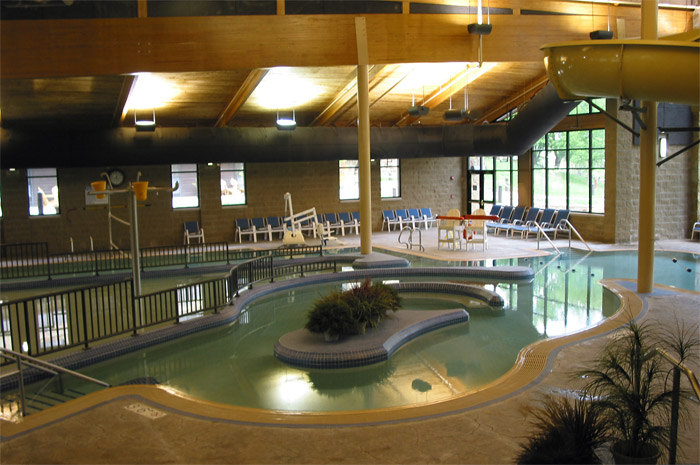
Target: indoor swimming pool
x,y
234,364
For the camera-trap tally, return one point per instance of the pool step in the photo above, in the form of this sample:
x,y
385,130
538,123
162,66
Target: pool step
x,y
47,399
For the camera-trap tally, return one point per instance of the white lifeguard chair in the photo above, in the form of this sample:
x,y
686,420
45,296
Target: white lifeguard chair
x,y
450,231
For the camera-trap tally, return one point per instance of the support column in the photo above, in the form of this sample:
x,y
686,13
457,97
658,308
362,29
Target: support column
x,y
363,137
647,169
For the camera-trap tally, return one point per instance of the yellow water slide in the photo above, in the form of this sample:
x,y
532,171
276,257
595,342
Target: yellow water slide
x,y
654,70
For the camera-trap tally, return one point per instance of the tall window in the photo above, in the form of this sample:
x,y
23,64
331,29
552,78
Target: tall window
x,y
506,177
390,178
233,184
42,188
349,175
568,170
187,196
584,108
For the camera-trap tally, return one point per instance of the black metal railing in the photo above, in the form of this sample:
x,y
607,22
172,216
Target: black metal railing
x,y
33,259
48,323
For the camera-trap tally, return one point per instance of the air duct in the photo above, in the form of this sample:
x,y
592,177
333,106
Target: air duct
x,y
73,148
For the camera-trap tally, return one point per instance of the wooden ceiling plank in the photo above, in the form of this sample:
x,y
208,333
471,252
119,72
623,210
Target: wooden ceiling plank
x,y
181,44
251,82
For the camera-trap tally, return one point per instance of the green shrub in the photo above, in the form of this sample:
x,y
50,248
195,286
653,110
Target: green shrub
x,y
350,312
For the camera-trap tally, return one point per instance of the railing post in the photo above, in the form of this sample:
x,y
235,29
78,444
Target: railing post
x,y
22,398
187,255
97,267
271,269
85,328
134,300
27,329
675,401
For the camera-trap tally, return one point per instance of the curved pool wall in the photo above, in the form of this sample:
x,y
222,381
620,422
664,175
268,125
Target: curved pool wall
x,y
80,359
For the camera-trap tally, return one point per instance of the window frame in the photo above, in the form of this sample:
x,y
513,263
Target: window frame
x,y
173,172
549,169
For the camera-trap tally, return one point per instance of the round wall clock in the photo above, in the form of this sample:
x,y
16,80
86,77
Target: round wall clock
x,y
116,177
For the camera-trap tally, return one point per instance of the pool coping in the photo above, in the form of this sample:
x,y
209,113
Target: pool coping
x,y
532,366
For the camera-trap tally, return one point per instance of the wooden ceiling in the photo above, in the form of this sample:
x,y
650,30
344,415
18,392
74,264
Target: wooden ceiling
x,y
242,70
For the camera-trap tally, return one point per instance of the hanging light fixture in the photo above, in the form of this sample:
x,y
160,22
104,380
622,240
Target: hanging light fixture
x,y
144,120
418,110
601,34
286,124
479,27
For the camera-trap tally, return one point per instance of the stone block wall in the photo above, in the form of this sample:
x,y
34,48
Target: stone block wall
x,y
424,183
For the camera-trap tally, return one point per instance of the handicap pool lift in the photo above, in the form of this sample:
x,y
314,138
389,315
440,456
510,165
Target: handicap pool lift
x,y
293,221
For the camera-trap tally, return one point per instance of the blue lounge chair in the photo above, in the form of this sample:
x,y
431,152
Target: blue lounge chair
x,y
529,220
192,231
427,217
389,218
545,221
503,216
347,221
356,219
696,229
244,227
331,222
275,226
518,214
414,216
260,227
495,210
404,219
559,224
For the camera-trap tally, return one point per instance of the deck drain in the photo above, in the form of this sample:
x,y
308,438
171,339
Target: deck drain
x,y
145,411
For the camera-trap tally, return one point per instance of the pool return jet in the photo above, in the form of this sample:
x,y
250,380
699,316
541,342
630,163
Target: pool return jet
x,y
137,191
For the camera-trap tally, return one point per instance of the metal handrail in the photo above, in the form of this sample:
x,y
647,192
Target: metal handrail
x,y
571,228
687,371
43,366
540,231
409,244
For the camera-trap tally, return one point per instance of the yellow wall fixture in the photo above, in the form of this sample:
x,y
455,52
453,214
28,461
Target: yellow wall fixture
x,y
99,186
140,190
654,70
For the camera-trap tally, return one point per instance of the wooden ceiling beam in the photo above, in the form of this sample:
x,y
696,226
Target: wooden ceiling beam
x,y
347,95
523,95
251,82
79,47
444,92
120,110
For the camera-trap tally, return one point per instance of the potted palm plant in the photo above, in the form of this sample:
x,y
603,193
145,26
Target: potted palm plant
x,y
628,381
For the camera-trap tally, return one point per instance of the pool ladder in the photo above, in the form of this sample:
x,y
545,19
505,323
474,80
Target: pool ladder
x,y
409,243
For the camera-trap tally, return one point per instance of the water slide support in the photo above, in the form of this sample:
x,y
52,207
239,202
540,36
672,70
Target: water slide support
x,y
647,169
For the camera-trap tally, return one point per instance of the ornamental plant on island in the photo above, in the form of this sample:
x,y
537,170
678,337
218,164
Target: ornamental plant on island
x,y
350,312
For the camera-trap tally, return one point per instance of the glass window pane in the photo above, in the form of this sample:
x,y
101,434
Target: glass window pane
x,y
187,195
556,141
42,190
598,191
538,159
487,163
556,188
349,179
503,188
232,181
540,144
474,163
598,156
539,194
578,190
578,158
556,159
598,138
502,163
488,188
579,139
514,184
389,177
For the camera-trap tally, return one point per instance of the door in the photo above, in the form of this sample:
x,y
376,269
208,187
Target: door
x,y
481,181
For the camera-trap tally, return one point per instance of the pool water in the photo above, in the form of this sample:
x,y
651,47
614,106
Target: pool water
x,y
235,364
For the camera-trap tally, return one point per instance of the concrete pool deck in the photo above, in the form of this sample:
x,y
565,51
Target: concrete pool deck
x,y
109,428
